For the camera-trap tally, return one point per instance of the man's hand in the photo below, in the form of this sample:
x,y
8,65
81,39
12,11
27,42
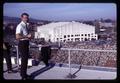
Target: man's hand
x,y
29,35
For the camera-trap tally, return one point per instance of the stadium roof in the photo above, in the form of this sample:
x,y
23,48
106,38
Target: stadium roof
x,y
59,24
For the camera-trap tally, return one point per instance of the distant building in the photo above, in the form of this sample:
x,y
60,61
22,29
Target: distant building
x,y
104,24
97,26
66,31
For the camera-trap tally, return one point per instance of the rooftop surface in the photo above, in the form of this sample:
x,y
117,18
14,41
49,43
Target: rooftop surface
x,y
61,73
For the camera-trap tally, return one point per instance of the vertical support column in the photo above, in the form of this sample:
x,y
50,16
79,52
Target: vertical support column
x,y
17,57
70,75
69,59
59,37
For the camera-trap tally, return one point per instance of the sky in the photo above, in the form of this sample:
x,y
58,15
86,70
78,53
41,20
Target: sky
x,y
62,11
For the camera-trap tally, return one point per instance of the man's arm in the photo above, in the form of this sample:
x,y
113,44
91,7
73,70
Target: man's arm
x,y
18,33
18,36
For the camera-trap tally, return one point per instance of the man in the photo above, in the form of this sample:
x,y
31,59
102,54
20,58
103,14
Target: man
x,y
6,55
23,36
6,51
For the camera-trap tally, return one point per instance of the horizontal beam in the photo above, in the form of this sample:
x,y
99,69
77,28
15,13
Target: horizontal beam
x,y
80,49
89,50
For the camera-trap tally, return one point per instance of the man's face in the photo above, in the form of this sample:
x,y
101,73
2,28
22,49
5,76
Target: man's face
x,y
25,18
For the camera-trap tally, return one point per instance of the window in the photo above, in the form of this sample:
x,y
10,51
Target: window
x,y
86,39
71,35
64,36
68,39
77,39
85,34
93,39
68,35
76,35
81,34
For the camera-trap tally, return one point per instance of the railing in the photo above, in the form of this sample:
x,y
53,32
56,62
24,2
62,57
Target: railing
x,y
70,75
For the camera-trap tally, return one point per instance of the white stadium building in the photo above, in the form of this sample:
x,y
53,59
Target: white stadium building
x,y
66,31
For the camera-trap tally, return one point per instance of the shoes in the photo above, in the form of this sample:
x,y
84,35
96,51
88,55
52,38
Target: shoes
x,y
47,65
28,77
12,71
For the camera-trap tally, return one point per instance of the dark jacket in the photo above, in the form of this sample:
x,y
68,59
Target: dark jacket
x,y
8,46
46,52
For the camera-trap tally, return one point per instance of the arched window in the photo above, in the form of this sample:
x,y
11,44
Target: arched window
x,y
86,39
64,40
64,36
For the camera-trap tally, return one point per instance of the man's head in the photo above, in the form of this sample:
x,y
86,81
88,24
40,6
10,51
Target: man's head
x,y
25,17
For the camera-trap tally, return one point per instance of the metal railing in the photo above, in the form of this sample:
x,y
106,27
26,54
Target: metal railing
x,y
70,75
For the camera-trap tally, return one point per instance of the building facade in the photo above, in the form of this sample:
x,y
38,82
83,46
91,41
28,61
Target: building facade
x,y
66,31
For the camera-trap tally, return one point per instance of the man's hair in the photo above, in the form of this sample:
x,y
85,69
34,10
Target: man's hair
x,y
24,14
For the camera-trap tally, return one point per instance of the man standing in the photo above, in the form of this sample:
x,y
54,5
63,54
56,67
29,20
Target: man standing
x,y
7,56
23,36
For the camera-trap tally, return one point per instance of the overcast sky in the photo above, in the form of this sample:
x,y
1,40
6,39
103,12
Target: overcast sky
x,y
62,11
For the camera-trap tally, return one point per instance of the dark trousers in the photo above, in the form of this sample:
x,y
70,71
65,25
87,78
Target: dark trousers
x,y
1,63
24,53
6,55
45,53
